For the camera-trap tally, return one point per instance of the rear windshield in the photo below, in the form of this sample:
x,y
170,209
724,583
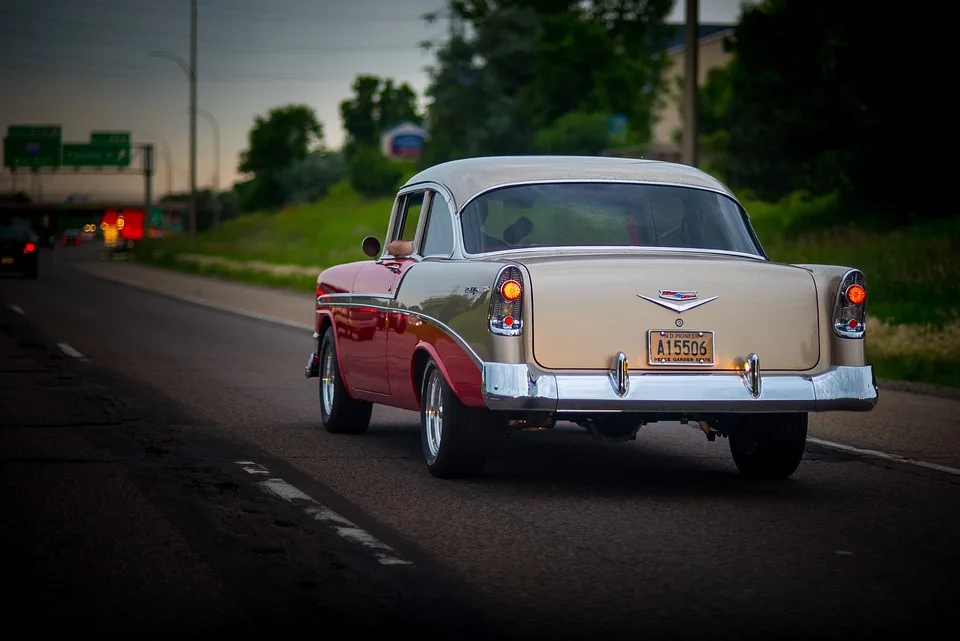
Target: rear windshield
x,y
605,214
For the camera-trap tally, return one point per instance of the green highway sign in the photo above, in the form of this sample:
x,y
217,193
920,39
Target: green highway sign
x,y
110,138
32,146
27,146
34,131
84,154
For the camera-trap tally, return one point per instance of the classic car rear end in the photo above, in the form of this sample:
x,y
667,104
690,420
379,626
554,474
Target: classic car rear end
x,y
608,292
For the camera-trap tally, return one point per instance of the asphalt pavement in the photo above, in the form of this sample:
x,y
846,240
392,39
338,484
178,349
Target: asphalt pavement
x,y
164,471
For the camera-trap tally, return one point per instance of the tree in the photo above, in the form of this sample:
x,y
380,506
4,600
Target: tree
x,y
310,179
813,100
377,105
531,62
284,137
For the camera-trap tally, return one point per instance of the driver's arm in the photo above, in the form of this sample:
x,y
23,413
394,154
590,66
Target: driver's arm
x,y
400,248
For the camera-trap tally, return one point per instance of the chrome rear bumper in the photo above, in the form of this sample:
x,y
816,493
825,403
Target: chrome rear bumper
x,y
508,386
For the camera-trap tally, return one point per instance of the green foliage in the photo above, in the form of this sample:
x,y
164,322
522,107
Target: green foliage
x,y
575,133
284,137
531,62
377,105
374,175
310,179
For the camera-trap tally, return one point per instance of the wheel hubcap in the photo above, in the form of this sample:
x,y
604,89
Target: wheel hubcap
x,y
327,370
433,413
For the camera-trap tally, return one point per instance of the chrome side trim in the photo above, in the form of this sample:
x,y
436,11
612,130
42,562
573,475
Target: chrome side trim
x,y
443,327
521,387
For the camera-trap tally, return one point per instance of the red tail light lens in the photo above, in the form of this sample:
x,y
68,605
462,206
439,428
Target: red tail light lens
x,y
856,294
29,247
511,290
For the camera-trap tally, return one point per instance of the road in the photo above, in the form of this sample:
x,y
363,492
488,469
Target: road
x,y
164,466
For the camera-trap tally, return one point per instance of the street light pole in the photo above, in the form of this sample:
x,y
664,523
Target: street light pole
x,y
216,163
193,123
189,68
691,54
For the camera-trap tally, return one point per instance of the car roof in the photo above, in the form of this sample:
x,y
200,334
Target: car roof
x,y
468,177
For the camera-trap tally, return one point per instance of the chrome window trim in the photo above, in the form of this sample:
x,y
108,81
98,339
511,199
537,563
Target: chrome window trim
x,y
617,181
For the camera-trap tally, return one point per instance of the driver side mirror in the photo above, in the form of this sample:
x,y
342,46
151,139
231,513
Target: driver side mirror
x,y
371,246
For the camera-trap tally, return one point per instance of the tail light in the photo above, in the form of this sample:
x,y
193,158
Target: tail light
x,y
506,303
850,313
320,292
29,247
77,240
64,240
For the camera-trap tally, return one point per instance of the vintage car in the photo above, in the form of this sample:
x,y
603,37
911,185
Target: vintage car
x,y
607,292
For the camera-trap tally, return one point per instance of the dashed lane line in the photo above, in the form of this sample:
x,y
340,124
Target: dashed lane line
x,y
17,309
894,458
69,350
279,488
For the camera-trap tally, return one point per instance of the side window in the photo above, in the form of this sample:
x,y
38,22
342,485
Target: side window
x,y
410,216
667,218
439,232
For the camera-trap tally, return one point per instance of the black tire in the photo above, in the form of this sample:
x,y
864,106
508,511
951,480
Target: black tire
x,y
31,272
343,414
769,446
468,435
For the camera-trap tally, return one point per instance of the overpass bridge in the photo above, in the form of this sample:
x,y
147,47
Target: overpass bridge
x,y
91,210
51,218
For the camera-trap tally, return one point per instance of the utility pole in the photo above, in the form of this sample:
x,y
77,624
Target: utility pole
x,y
691,53
193,123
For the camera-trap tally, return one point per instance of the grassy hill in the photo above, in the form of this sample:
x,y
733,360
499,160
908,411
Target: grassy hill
x,y
913,273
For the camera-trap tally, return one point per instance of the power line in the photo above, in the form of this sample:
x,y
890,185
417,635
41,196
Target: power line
x,y
250,17
94,73
124,41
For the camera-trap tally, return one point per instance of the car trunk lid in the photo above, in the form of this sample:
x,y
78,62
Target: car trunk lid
x,y
586,309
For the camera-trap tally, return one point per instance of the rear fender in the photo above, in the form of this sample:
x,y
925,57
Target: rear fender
x,y
464,383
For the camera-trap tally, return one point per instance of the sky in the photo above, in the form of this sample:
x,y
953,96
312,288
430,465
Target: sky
x,y
84,64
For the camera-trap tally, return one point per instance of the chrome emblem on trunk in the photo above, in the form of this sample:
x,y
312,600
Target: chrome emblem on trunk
x,y
670,294
672,299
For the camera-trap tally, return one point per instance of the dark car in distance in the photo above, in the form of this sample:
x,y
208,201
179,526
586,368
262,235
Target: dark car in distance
x,y
71,237
18,251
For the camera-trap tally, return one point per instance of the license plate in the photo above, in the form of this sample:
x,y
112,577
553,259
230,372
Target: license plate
x,y
669,347
7,260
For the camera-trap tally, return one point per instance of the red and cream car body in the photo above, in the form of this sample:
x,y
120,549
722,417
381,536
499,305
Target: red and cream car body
x,y
603,291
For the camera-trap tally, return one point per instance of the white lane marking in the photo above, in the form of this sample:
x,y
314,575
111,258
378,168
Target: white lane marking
x,y
17,309
279,488
895,458
203,302
68,349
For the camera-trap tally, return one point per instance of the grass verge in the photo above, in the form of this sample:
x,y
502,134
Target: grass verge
x,y
913,273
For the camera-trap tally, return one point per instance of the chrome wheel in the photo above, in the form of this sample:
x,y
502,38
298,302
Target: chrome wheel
x,y
433,413
327,372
